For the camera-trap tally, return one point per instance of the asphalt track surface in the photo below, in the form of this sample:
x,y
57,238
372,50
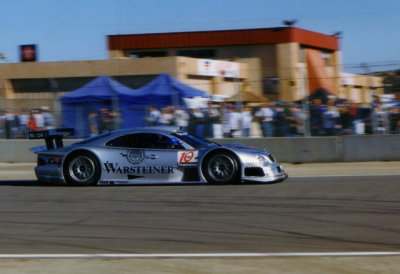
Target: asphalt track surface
x,y
322,214
302,214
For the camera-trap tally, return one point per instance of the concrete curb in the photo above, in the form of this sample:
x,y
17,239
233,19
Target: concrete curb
x,y
286,149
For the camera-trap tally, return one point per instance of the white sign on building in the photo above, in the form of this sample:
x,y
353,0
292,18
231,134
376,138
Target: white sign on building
x,y
206,67
347,79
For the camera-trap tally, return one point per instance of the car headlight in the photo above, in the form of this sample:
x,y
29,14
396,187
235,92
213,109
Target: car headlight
x,y
263,159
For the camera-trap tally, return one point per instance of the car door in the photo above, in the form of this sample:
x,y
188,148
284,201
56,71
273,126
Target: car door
x,y
144,158
160,158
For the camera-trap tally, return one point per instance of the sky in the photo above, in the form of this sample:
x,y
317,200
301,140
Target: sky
x,y
70,30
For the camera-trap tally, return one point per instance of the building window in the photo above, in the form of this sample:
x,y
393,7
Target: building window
x,y
199,77
49,85
67,84
327,57
197,53
302,55
147,54
271,85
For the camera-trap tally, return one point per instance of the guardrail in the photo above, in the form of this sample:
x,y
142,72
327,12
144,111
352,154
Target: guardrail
x,y
329,149
286,150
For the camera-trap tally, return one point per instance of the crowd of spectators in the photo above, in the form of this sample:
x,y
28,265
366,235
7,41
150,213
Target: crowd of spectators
x,y
217,120
17,123
347,118
277,119
105,120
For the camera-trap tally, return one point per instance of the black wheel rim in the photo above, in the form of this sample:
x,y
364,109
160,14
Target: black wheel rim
x,y
81,169
221,168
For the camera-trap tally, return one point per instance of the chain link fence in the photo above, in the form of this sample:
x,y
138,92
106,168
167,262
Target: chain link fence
x,y
226,119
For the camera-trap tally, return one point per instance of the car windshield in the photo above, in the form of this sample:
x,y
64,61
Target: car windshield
x,y
195,142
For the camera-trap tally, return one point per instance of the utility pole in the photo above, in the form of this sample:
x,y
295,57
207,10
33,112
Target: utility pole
x,y
367,72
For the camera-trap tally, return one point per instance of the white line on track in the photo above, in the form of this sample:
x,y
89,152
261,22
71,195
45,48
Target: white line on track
x,y
195,255
352,175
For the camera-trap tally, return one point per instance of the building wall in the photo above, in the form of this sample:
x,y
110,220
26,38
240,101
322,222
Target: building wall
x,y
48,70
336,65
361,88
271,56
183,68
290,82
88,68
279,51
265,53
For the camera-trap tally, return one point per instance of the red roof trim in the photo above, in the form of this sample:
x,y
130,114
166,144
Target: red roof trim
x,y
222,38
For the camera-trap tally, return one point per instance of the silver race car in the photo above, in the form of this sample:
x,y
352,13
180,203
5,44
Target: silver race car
x,y
150,156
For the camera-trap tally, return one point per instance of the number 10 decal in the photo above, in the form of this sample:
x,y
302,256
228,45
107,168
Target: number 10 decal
x,y
187,158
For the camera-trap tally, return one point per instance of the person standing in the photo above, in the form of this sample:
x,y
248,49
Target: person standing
x,y
105,123
247,119
195,126
266,117
39,118
380,120
32,122
10,124
167,116
93,123
344,121
329,119
292,121
234,122
316,112
153,116
181,118
394,120
23,120
49,121
225,111
211,117
280,121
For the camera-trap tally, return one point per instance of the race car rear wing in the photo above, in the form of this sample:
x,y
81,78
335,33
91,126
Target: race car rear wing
x,y
53,137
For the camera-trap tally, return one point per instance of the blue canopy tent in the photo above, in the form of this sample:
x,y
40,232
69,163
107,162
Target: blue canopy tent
x,y
161,92
102,92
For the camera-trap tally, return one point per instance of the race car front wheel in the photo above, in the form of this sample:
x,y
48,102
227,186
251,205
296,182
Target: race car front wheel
x,y
82,168
221,168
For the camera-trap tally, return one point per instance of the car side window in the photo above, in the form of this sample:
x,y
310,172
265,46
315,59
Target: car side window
x,y
159,141
146,140
131,141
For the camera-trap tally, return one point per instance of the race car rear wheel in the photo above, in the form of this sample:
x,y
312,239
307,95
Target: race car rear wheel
x,y
221,168
82,168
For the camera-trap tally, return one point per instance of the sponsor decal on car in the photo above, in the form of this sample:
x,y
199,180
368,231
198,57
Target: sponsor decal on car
x,y
112,183
251,165
106,182
115,168
134,156
188,158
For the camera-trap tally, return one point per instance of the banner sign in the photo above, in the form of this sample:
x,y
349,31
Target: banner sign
x,y
28,53
347,79
207,67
